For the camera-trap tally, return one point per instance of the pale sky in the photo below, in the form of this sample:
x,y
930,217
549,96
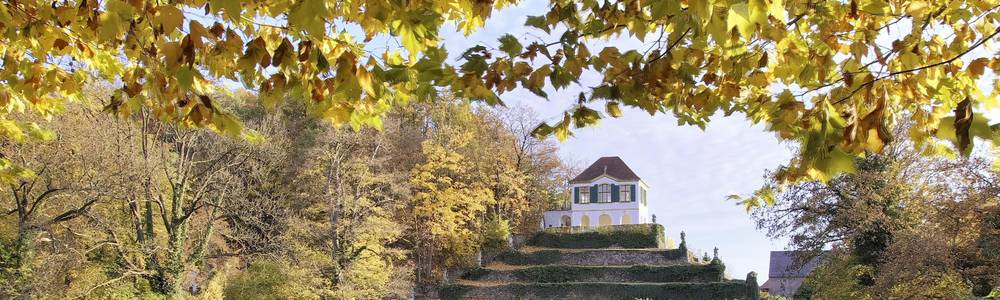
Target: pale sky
x,y
690,172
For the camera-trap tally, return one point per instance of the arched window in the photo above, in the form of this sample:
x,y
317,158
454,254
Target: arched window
x,y
626,219
585,221
604,220
566,221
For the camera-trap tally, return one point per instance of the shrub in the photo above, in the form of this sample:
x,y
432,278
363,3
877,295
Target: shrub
x,y
496,233
268,279
625,236
260,281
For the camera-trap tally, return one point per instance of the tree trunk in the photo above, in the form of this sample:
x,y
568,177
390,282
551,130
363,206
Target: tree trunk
x,y
24,252
173,269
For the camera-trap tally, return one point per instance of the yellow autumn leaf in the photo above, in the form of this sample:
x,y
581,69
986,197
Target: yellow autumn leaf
x,y
365,80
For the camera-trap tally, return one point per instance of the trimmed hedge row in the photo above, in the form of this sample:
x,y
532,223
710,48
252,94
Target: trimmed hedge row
x,y
639,273
550,257
734,289
553,274
625,236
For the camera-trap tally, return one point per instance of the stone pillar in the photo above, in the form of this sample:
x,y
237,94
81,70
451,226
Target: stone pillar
x,y
753,290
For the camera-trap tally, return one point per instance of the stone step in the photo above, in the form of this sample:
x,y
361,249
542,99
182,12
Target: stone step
x,y
594,257
563,273
730,289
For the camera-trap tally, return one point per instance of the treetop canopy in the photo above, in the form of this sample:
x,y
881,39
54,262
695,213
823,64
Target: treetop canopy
x,y
832,76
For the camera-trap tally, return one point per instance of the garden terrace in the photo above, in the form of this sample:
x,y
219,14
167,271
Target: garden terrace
x,y
611,262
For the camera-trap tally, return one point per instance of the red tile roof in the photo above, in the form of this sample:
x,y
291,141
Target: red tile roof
x,y
611,165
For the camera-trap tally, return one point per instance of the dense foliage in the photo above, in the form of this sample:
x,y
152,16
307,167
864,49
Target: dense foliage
x,y
902,227
831,76
146,209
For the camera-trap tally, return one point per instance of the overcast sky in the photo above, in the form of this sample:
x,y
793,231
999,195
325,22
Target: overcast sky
x,y
690,172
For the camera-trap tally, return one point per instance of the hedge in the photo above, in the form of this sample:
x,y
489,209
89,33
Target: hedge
x,y
734,289
640,273
625,236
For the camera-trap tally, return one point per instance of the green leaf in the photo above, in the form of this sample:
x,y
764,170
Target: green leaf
x,y
661,9
560,78
185,77
541,131
538,22
584,116
510,45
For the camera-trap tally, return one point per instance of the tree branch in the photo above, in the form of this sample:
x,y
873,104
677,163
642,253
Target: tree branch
x,y
947,61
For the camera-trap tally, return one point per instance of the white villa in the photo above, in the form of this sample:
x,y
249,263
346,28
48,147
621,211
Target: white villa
x,y
606,193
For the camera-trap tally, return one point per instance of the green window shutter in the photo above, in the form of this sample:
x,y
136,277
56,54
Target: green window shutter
x,y
632,194
615,190
576,195
593,194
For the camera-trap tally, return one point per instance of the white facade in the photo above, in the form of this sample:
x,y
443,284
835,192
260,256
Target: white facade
x,y
584,212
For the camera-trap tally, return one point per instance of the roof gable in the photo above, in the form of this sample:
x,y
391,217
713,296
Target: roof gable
x,y
784,264
612,166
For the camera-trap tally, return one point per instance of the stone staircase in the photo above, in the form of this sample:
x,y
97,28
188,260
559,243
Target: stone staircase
x,y
610,262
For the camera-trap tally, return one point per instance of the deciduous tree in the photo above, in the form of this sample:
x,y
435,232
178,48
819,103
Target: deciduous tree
x,y
831,76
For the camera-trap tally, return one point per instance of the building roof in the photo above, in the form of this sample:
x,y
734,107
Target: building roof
x,y
610,165
785,287
784,264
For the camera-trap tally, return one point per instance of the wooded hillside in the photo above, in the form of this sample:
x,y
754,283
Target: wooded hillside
x,y
301,209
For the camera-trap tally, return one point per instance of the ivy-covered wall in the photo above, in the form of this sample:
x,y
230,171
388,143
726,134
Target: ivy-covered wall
x,y
544,257
733,289
638,273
